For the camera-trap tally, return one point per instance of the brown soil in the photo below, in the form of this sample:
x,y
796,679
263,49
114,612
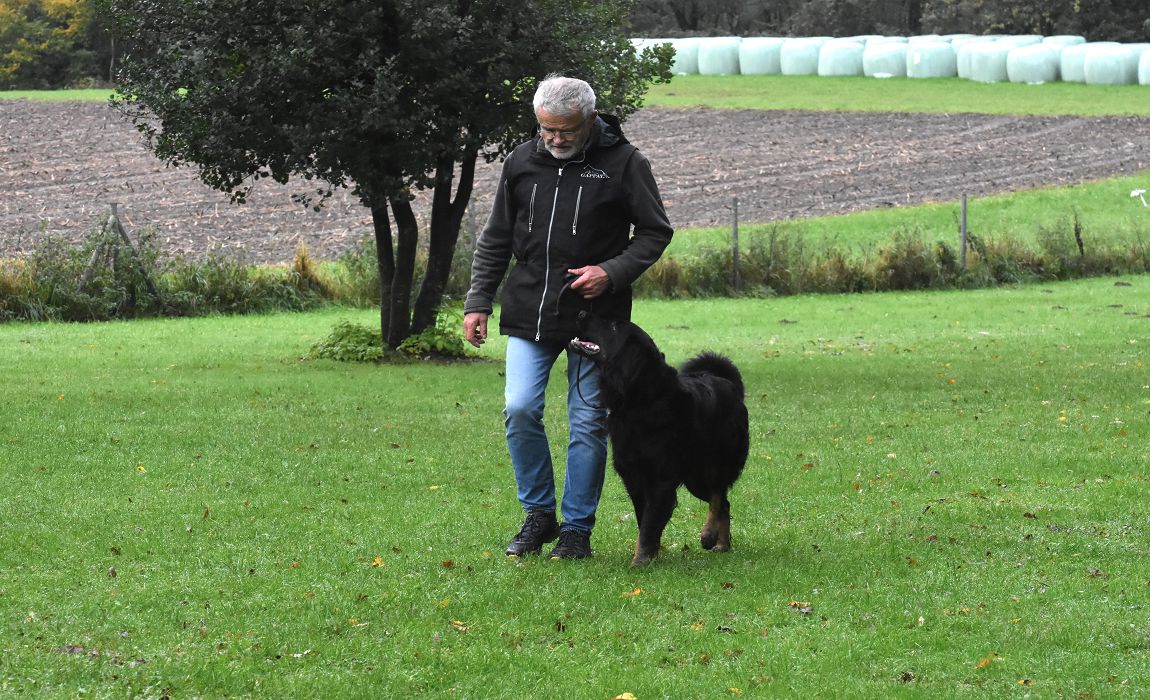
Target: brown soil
x,y
61,164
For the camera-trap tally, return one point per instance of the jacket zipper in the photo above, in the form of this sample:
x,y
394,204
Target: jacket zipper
x,y
547,249
547,261
531,209
578,201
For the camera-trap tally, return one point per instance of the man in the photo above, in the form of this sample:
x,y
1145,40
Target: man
x,y
566,203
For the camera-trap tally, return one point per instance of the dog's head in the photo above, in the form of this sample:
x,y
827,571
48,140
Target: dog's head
x,y
626,355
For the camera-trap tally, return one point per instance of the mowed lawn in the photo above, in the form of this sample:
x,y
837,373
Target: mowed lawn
x,y
946,496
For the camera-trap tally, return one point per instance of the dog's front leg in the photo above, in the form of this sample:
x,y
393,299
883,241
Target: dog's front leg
x,y
657,509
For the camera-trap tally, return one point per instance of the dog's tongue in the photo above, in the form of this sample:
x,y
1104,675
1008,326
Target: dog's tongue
x,y
585,347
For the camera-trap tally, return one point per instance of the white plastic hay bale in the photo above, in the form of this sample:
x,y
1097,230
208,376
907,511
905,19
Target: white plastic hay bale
x,y
925,39
958,39
1035,63
988,62
865,39
963,52
1144,69
841,58
800,56
1112,64
926,59
686,57
1072,66
719,55
888,40
885,60
1065,40
760,55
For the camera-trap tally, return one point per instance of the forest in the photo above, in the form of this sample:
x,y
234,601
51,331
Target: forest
x,y
47,44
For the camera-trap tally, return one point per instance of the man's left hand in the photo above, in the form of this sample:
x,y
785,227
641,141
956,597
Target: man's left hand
x,y
592,281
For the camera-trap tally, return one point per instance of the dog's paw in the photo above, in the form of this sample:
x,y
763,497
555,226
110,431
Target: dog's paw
x,y
641,561
714,542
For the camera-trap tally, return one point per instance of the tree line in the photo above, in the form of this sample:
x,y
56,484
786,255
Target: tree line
x,y
67,43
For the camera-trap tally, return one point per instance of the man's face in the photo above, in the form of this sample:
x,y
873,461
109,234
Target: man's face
x,y
564,137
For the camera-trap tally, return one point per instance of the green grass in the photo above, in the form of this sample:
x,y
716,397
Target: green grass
x,y
946,95
955,484
85,95
1104,208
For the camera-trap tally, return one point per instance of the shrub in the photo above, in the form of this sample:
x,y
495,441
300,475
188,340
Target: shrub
x,y
349,342
444,339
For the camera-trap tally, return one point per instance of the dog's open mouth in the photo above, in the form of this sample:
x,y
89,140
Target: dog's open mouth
x,y
585,347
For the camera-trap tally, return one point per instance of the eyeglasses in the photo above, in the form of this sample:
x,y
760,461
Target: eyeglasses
x,y
562,133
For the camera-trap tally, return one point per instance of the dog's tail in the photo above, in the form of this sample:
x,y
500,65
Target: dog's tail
x,y
713,363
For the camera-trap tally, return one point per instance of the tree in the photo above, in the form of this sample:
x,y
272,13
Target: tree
x,y
45,43
380,96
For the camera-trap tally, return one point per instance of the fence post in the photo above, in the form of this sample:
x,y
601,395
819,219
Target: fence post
x,y
736,271
963,233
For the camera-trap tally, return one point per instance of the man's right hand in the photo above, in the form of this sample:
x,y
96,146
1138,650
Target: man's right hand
x,y
475,327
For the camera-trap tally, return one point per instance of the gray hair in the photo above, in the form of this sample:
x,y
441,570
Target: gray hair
x,y
563,97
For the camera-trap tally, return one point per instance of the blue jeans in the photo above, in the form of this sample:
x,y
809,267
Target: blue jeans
x,y
528,368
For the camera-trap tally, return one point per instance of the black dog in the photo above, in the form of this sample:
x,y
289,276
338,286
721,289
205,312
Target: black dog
x,y
668,428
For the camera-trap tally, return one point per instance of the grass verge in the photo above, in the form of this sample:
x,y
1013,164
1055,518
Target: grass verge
x,y
946,494
937,95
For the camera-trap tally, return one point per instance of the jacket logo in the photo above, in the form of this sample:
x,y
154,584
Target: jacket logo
x,y
595,173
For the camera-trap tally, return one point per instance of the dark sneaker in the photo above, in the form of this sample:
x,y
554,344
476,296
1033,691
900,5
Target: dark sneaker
x,y
573,544
539,527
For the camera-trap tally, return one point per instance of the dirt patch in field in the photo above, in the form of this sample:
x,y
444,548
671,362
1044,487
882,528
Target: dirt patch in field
x,y
62,163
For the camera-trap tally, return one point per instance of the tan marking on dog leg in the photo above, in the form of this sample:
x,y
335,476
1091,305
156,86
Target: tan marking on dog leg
x,y
716,534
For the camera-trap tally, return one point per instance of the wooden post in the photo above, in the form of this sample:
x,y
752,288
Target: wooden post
x,y
736,271
963,233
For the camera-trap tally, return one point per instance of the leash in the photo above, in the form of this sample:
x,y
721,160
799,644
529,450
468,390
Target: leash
x,y
578,356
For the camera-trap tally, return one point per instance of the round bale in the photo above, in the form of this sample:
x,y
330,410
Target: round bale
x,y
988,62
885,60
800,56
1034,63
1112,64
760,55
719,55
841,58
931,59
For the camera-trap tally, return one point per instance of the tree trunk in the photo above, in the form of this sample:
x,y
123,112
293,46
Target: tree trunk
x,y
385,263
407,238
446,218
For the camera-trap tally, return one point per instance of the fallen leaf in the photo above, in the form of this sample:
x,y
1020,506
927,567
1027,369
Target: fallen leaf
x,y
449,563
377,561
459,626
632,594
803,608
625,696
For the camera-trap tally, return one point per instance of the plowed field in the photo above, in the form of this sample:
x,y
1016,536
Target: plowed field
x,y
62,163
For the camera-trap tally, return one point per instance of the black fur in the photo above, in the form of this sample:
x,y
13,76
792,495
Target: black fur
x,y
669,427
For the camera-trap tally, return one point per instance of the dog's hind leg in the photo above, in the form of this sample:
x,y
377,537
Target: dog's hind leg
x,y
716,535
657,509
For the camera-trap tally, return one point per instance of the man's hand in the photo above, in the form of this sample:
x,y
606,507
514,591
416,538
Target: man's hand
x,y
592,281
475,328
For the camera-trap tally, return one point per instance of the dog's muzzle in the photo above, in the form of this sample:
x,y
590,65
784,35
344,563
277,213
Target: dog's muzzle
x,y
584,347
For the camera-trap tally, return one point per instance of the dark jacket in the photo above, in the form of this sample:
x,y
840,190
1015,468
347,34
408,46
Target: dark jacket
x,y
550,215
